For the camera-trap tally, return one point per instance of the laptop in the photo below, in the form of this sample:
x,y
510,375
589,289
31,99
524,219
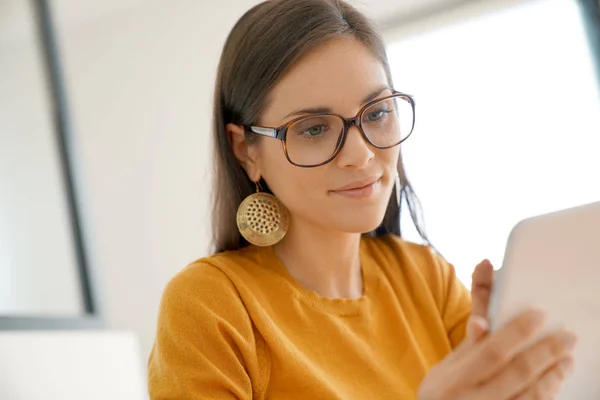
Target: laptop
x,y
73,365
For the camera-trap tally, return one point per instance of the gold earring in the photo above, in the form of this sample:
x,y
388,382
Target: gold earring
x,y
261,218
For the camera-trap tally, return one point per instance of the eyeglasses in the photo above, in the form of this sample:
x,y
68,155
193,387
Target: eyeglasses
x,y
312,141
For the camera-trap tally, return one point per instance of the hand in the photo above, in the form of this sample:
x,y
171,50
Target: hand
x,y
496,366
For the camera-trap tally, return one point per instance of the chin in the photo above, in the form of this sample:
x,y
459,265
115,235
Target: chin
x,y
358,221
356,216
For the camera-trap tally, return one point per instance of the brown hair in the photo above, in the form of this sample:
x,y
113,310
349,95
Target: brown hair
x,y
263,45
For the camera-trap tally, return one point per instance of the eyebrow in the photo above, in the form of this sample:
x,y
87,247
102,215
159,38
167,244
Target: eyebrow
x,y
326,110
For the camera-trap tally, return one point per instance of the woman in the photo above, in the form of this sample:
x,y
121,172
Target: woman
x,y
329,302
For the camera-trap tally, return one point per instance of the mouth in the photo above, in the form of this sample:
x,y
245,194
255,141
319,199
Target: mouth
x,y
359,189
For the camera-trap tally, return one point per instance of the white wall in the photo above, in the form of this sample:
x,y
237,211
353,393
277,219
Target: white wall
x,y
38,270
140,80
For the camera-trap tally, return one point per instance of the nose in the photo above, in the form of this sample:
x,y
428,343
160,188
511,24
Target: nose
x,y
356,151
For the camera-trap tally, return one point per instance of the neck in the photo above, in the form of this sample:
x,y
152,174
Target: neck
x,y
323,261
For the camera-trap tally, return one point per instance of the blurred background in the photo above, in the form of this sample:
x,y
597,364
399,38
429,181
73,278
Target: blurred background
x,y
105,153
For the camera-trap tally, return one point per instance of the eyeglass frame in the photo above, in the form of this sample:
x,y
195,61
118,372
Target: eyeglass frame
x,y
280,132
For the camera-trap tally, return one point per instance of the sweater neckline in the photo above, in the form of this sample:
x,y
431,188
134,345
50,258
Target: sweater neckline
x,y
338,306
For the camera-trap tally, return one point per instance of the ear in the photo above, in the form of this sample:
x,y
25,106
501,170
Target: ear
x,y
242,151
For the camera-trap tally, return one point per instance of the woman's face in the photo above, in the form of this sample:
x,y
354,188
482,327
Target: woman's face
x,y
338,76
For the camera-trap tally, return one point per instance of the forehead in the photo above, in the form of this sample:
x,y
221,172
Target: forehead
x,y
338,75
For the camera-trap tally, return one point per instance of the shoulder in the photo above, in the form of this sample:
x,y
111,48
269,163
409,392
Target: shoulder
x,y
392,249
205,339
210,282
416,262
422,272
198,292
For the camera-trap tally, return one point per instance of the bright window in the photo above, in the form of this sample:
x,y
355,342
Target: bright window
x,y
508,124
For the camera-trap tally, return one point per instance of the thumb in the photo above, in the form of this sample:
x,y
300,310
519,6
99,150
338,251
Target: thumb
x,y
477,328
481,287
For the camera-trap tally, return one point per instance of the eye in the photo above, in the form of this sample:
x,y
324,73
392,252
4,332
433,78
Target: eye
x,y
314,130
377,115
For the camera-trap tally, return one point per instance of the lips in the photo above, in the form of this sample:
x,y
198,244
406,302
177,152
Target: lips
x,y
361,189
359,184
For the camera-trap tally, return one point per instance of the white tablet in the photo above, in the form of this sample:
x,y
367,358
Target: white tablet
x,y
552,263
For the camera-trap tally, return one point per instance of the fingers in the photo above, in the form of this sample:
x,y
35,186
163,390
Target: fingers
x,y
525,370
492,354
550,383
477,328
481,287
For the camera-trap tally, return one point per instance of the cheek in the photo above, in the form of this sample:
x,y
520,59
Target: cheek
x,y
288,182
301,190
270,156
388,158
389,161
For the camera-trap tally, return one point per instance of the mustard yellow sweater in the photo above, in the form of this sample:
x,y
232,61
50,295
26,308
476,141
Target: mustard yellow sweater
x,y
237,326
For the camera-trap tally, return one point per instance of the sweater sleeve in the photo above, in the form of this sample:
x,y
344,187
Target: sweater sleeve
x,y
454,299
205,346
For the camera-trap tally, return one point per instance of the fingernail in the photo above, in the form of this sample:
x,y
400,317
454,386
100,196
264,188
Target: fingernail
x,y
536,317
569,339
481,322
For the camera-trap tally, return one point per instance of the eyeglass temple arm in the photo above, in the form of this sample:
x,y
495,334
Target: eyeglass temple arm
x,y
259,130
